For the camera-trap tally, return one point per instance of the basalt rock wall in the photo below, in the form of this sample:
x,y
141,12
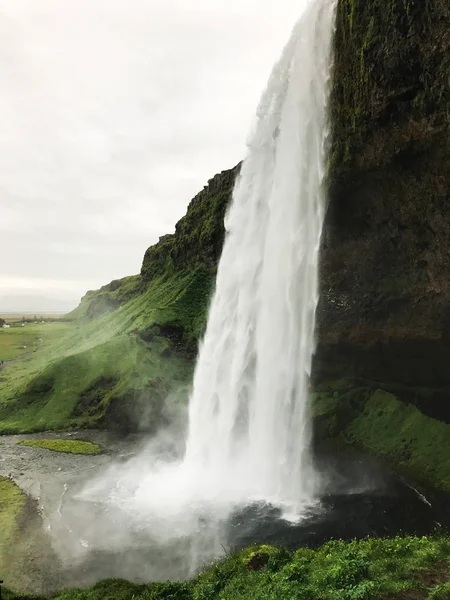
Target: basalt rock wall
x,y
384,313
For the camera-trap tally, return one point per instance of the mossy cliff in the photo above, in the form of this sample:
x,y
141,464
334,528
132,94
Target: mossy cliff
x,y
198,238
385,287
383,319
127,360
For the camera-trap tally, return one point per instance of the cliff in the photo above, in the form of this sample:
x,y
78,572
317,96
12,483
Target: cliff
x,y
383,317
385,292
198,238
127,361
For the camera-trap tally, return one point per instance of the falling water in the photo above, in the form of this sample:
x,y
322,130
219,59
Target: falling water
x,y
249,436
248,413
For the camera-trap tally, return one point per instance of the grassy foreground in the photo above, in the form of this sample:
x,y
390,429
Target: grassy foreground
x,y
12,502
67,446
397,568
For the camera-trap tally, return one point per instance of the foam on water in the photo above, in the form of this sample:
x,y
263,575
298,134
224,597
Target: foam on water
x,y
248,418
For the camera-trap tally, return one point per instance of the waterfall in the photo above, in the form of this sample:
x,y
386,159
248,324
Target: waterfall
x,y
248,442
248,424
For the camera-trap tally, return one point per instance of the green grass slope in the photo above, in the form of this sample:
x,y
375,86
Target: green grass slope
x,y
116,370
129,348
399,568
381,424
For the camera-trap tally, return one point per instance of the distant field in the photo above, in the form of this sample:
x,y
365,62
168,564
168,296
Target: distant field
x,y
30,317
17,340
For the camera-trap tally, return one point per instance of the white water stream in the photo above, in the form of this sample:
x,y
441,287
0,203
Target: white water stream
x,y
249,434
248,417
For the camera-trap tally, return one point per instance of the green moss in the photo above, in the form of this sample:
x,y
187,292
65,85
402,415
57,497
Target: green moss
x,y
12,503
383,425
198,239
264,556
109,589
364,569
108,298
67,446
406,437
391,69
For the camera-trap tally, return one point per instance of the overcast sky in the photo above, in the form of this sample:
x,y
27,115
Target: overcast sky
x,y
115,113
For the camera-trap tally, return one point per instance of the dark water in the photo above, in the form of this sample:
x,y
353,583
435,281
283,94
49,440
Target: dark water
x,y
360,498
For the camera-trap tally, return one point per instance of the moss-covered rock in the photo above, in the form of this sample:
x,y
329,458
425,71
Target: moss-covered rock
x,y
108,298
390,91
383,315
198,239
379,423
66,446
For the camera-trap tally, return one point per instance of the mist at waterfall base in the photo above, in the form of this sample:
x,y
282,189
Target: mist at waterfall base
x,y
245,472
248,437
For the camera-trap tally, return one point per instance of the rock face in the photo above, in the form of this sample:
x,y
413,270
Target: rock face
x,y
198,238
384,314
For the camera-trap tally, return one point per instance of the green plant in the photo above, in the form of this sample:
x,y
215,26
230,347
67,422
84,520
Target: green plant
x,y
67,446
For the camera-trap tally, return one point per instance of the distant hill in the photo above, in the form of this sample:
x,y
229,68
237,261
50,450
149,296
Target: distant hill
x,y
35,304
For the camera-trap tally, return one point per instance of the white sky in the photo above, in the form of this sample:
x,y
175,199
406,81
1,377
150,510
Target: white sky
x,y
115,113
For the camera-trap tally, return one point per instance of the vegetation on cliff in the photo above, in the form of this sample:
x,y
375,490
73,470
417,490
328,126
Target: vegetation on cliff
x,y
198,238
398,568
127,355
390,90
386,245
381,424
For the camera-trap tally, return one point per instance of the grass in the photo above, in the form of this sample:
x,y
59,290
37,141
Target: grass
x,y
18,341
402,567
67,446
12,502
113,369
379,423
404,435
70,392
130,345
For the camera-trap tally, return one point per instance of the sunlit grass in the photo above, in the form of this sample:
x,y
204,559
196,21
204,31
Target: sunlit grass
x,y
67,446
18,341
